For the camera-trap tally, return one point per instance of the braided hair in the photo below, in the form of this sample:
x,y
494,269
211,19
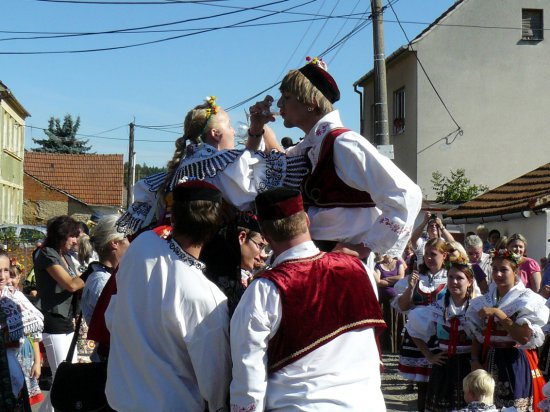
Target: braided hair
x,y
195,126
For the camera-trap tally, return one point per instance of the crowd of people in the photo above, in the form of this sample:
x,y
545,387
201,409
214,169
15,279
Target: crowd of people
x,y
260,279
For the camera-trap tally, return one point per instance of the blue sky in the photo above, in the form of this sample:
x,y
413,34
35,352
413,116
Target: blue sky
x,y
156,84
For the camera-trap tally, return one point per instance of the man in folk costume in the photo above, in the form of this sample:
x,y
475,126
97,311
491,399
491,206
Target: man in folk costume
x,y
303,334
168,322
357,197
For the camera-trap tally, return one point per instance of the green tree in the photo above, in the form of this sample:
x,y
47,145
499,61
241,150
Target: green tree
x,y
61,138
456,188
142,171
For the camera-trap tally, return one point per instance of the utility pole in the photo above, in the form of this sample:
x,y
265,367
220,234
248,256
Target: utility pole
x,y
382,135
131,166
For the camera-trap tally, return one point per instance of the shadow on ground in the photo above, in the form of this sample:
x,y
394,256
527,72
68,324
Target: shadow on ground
x,y
399,394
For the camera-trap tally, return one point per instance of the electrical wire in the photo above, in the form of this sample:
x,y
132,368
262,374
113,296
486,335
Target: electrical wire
x,y
132,29
423,69
95,136
160,40
283,70
131,2
320,30
156,129
237,26
342,40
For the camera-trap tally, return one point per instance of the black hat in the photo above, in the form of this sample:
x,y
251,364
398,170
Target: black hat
x,y
278,203
196,190
248,220
316,72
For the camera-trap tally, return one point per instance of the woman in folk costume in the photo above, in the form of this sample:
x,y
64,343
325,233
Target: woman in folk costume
x,y
211,156
421,289
445,319
18,318
507,324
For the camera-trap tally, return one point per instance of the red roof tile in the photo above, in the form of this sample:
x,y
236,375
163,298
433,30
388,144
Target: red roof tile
x,y
528,192
91,178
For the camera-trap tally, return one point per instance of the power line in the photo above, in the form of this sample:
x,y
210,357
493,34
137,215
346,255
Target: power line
x,y
160,40
300,42
341,41
132,29
423,69
95,136
321,28
131,2
237,26
157,129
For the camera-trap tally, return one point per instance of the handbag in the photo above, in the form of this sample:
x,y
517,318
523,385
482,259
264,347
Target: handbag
x,y
79,386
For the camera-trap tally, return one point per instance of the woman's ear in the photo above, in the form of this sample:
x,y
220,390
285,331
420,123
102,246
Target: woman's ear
x,y
215,134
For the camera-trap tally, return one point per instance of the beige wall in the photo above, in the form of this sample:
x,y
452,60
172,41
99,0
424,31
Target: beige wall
x,y
401,73
495,86
12,143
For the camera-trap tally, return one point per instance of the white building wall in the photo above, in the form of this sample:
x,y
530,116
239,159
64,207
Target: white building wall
x,y
495,85
535,228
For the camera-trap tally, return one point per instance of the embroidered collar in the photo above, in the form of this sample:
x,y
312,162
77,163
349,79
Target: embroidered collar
x,y
205,161
509,297
184,256
324,125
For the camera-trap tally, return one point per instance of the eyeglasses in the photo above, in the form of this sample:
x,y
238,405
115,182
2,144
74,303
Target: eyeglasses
x,y
260,246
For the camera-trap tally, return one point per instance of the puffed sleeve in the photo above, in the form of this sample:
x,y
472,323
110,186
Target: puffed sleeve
x,y
208,347
255,172
534,313
420,323
144,208
473,323
254,322
399,288
399,199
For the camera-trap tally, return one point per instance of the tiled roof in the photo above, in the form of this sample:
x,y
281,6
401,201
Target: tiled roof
x,y
529,192
93,179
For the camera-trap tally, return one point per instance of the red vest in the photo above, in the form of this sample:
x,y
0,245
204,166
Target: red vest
x,y
322,297
323,187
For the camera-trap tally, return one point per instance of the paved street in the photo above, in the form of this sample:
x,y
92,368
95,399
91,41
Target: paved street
x,y
397,393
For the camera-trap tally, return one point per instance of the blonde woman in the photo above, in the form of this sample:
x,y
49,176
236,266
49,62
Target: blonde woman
x,y
206,151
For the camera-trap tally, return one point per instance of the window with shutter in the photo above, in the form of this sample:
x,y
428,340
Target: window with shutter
x,y
399,111
532,26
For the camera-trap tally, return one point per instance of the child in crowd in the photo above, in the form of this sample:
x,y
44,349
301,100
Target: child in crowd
x,y
479,387
29,352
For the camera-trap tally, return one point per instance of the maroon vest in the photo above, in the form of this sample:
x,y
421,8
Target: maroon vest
x,y
322,297
323,187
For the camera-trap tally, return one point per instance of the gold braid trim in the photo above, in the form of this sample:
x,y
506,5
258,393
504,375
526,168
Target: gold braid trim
x,y
327,337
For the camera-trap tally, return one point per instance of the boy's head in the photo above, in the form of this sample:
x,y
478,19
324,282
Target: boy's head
x,y
479,386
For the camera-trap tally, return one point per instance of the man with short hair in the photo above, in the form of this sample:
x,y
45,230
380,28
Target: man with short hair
x,y
168,322
303,334
480,261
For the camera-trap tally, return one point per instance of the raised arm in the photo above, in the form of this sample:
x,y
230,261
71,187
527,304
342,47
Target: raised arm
x,y
417,232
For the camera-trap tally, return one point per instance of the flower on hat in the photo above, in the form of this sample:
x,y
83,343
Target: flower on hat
x,y
317,61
